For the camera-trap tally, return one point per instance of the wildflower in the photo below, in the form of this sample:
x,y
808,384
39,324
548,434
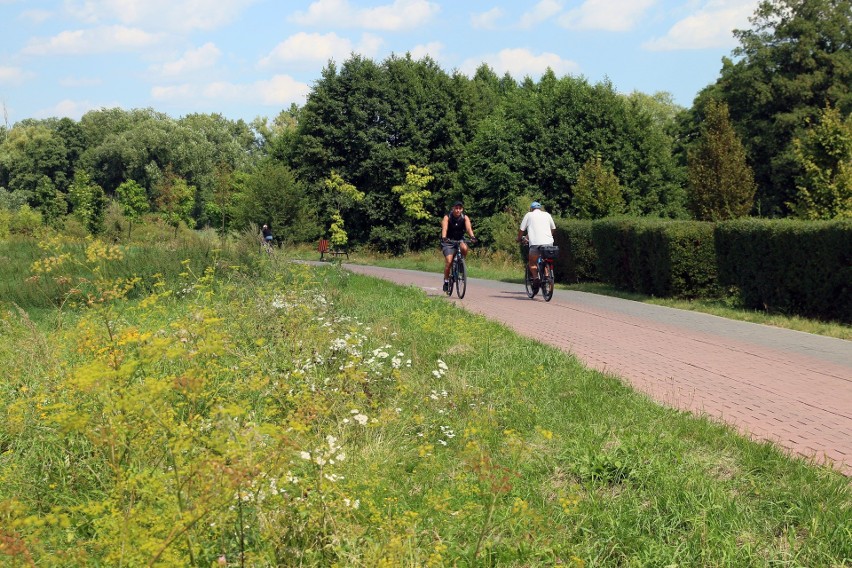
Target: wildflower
x,y
305,455
442,365
360,419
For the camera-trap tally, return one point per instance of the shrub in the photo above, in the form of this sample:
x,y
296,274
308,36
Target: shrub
x,y
25,221
799,267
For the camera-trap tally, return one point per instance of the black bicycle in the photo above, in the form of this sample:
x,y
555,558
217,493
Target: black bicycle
x,y
458,270
544,263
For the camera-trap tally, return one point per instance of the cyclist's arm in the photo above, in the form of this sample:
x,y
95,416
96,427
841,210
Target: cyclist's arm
x,y
468,227
522,229
444,224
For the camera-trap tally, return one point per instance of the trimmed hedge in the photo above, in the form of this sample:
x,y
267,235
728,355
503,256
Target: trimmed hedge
x,y
578,258
796,267
657,257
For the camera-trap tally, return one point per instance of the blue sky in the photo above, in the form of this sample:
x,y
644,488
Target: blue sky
x,y
250,58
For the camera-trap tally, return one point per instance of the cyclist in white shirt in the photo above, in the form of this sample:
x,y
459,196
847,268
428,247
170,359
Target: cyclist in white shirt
x,y
540,228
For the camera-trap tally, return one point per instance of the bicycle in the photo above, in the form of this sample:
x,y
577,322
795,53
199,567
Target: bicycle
x,y
544,263
266,247
458,270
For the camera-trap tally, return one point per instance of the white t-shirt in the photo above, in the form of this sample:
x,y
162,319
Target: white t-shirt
x,y
539,226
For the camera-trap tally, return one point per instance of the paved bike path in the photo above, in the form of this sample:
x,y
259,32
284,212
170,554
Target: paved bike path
x,y
789,387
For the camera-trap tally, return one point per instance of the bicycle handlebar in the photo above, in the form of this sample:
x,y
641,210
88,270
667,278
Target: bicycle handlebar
x,y
463,240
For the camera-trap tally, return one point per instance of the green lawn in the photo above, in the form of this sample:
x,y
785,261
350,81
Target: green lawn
x,y
294,415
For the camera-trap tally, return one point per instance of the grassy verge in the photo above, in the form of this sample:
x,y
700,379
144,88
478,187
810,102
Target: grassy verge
x,y
506,269
313,417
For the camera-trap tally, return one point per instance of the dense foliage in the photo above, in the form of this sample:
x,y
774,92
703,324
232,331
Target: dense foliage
x,y
796,58
582,149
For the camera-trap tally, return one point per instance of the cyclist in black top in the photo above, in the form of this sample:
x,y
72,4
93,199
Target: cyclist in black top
x,y
454,225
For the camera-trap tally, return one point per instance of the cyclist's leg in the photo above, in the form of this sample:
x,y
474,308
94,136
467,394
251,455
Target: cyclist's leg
x,y
448,264
533,263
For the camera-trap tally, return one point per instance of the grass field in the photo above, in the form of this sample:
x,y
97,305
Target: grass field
x,y
284,415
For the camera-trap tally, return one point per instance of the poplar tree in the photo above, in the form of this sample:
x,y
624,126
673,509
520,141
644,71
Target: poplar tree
x,y
721,183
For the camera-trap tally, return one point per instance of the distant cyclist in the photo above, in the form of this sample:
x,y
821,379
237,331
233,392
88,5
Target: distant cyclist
x,y
267,236
454,225
540,228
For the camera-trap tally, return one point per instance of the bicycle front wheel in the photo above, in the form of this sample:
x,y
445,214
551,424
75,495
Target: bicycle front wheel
x,y
528,281
461,279
547,282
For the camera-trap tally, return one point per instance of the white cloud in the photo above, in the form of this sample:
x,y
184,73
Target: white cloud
x,y
280,90
312,48
486,20
72,109
400,15
13,76
606,15
520,63
204,57
432,49
710,27
160,14
541,12
36,16
97,40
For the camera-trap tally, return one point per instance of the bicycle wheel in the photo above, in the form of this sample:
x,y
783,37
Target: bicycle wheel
x,y
547,282
461,278
452,280
528,281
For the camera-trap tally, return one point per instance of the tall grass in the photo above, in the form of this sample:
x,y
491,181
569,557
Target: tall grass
x,y
306,416
152,256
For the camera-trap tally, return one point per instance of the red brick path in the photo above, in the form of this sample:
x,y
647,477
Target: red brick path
x,y
792,388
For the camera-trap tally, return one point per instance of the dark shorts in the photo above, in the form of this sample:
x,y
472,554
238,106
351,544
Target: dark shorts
x,y
534,249
448,248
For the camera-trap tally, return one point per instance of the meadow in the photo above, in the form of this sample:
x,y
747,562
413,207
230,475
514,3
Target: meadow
x,y
228,409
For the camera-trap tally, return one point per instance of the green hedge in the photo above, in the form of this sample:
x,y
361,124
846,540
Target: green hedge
x,y
578,258
656,257
796,267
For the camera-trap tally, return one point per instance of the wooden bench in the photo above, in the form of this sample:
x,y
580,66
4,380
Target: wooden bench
x,y
324,248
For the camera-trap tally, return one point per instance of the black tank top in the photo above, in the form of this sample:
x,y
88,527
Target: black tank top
x,y
455,227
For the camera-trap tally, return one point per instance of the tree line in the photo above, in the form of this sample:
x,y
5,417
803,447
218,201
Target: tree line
x,y
380,149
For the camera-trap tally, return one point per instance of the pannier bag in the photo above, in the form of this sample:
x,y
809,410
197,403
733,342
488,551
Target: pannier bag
x,y
548,251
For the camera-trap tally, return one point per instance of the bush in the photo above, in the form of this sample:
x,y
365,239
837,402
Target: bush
x,y
797,267
5,223
25,221
657,257
578,258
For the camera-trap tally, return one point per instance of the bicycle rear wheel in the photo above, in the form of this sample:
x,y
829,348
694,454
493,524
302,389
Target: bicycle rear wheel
x,y
461,278
547,282
528,281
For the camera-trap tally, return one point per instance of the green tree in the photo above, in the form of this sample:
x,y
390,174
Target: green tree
x,y
88,202
344,195
824,152
597,192
174,199
412,194
270,193
721,184
796,57
134,202
31,152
